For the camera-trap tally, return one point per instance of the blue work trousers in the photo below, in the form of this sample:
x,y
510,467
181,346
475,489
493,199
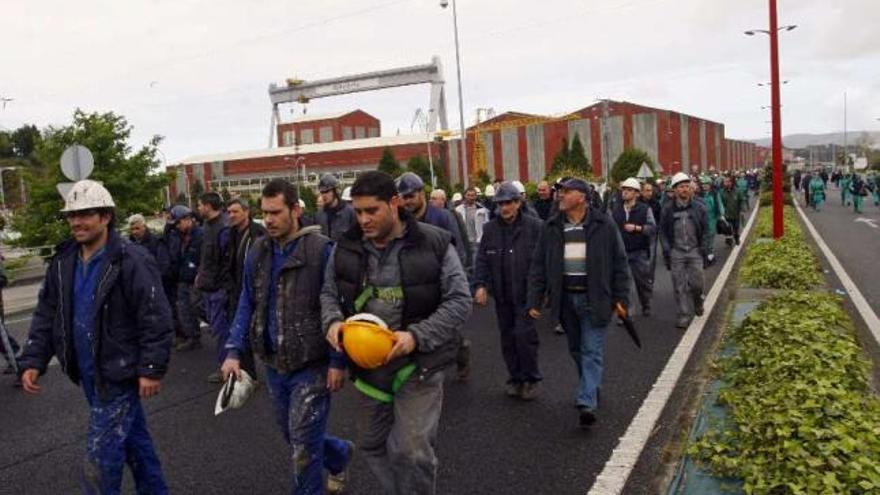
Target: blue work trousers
x,y
118,436
187,312
586,344
216,308
519,343
302,405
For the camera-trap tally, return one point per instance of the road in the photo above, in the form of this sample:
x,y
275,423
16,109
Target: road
x,y
488,443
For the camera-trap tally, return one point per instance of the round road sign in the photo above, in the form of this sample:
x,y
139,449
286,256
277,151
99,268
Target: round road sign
x,y
77,162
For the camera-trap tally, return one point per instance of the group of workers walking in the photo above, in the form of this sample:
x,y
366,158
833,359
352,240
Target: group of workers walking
x,y
853,187
284,291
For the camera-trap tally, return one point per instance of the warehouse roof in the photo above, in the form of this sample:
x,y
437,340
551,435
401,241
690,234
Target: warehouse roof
x,y
305,149
323,116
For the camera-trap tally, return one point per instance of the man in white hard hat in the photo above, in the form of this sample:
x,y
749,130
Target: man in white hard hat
x,y
637,226
526,208
684,235
457,198
103,314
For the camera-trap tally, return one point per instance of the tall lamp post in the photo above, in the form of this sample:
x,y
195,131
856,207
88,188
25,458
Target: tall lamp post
x,y
775,103
464,157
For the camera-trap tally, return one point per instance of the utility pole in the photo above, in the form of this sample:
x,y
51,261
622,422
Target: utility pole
x,y
845,148
776,103
605,151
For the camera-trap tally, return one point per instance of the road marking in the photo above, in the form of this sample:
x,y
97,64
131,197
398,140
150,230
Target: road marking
x,y
861,304
867,221
624,457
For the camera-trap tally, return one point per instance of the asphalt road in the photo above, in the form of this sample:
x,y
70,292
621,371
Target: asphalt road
x,y
488,443
854,239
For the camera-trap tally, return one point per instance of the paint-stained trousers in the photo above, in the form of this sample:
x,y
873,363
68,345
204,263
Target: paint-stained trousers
x,y
302,405
687,280
519,343
398,439
118,436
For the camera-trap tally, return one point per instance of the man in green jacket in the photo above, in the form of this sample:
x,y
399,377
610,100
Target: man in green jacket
x,y
715,209
732,203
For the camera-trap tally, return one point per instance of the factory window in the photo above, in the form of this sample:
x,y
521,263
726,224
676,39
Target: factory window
x,y
287,138
374,132
360,132
307,136
325,135
346,133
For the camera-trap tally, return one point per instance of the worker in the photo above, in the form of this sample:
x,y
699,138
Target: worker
x,y
214,279
335,216
637,228
190,237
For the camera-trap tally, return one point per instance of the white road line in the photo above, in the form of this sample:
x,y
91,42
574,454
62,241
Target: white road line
x,y
623,459
861,304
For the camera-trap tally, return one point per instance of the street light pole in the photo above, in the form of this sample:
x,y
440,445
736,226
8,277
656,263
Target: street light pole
x,y
464,157
775,102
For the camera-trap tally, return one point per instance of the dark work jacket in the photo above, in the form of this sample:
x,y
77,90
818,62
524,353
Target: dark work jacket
x,y
189,256
544,207
213,274
156,247
335,222
240,243
300,341
421,262
447,220
608,275
133,331
632,241
654,205
507,282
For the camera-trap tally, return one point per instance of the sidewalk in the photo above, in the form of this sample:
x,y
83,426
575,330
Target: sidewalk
x,y
20,298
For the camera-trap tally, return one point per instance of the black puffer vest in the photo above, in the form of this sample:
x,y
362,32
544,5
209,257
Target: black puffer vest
x,y
421,260
633,241
300,341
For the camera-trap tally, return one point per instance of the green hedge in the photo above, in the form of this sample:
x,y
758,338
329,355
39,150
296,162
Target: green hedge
x,y
764,223
803,418
766,199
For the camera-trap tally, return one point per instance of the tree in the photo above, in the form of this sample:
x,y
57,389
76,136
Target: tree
x,y
577,156
196,189
389,164
25,140
307,194
420,166
628,164
560,160
131,176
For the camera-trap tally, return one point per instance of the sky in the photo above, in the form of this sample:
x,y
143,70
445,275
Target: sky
x,y
197,71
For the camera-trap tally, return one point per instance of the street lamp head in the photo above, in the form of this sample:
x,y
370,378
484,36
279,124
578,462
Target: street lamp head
x,y
444,3
750,33
789,27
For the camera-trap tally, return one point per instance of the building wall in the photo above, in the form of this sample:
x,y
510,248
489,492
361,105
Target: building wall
x,y
354,125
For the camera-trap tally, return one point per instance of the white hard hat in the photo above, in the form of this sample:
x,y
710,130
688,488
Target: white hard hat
x,y
86,195
679,177
234,392
631,183
302,204
456,197
346,194
490,191
519,186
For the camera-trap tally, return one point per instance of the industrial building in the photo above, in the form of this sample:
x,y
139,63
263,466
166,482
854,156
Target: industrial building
x,y
511,146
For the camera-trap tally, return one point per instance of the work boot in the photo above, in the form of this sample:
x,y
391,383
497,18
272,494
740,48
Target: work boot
x,y
736,240
559,330
586,416
529,391
215,377
646,310
336,482
463,360
683,322
698,305
514,389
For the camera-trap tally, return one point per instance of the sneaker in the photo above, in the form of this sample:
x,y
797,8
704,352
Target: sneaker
x,y
463,360
336,482
559,330
529,391
698,306
646,310
514,389
586,416
683,323
189,345
736,240
215,377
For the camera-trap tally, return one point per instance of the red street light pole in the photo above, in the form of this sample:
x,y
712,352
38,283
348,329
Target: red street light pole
x,y
776,104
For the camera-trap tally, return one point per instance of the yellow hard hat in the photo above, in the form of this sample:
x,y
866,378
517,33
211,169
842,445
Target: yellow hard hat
x,y
367,340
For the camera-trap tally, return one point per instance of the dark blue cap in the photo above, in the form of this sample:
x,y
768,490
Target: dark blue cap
x,y
409,183
179,212
506,191
576,184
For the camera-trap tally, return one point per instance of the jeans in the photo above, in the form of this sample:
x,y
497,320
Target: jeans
x,y
519,343
186,311
117,436
586,344
398,439
302,405
216,309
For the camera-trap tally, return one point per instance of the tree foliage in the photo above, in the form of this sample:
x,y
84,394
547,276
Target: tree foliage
x,y
628,164
131,176
420,166
572,158
389,164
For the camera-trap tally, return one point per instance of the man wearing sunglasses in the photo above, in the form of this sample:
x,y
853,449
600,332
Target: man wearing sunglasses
x,y
102,312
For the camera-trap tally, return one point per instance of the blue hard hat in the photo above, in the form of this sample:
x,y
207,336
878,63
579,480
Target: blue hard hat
x,y
409,183
506,192
179,212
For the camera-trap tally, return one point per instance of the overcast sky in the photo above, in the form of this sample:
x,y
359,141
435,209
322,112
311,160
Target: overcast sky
x,y
197,71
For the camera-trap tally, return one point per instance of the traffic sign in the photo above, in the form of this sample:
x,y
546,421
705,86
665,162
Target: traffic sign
x,y
77,162
64,188
645,171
